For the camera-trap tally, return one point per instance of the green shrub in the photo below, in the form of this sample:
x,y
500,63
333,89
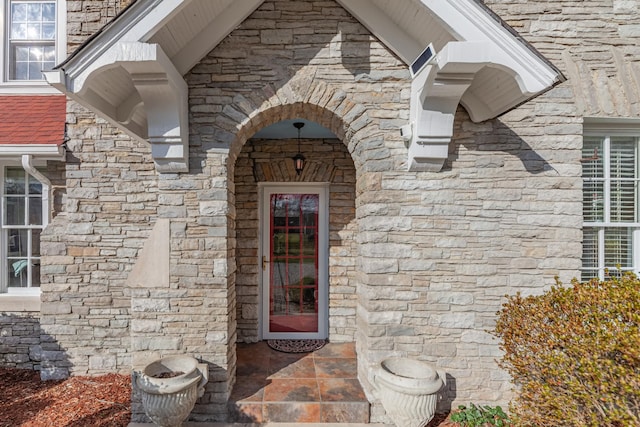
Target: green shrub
x,y
479,416
574,353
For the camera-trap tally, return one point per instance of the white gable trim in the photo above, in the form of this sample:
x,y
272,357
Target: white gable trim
x,y
439,87
476,51
39,151
479,43
163,94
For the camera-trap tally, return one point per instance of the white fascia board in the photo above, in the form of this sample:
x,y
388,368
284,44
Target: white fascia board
x,y
40,151
43,88
135,25
390,34
468,21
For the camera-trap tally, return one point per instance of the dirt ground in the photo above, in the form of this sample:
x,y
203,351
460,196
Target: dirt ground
x,y
25,401
103,401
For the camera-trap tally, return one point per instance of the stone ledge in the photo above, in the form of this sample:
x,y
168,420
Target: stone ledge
x,y
10,303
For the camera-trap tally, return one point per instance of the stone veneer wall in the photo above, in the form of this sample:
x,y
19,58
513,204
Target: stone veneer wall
x,y
20,340
435,251
103,206
270,161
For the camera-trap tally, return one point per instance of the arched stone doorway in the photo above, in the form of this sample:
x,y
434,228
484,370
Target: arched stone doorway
x,y
262,162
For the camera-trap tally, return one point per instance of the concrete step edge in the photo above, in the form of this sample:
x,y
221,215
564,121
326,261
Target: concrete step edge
x,y
194,424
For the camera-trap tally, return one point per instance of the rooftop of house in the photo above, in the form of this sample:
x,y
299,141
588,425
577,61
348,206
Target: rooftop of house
x,y
31,120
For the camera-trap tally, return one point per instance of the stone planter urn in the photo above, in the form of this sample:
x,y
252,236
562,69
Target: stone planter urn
x,y
408,390
170,387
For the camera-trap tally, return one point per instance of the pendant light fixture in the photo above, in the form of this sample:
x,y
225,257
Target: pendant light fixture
x,y
298,159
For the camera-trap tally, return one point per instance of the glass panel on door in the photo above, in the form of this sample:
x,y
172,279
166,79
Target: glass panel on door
x,y
293,255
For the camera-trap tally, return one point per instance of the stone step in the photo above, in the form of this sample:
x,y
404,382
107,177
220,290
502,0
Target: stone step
x,y
300,412
194,424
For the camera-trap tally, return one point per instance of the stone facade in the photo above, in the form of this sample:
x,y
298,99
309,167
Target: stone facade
x,y
20,340
419,262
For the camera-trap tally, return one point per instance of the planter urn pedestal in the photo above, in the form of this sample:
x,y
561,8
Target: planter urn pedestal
x,y
408,390
170,387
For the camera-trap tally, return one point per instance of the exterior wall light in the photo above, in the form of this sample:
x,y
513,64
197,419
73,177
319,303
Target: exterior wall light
x,y
298,159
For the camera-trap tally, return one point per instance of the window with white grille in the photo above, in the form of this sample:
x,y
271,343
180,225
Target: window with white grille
x,y
611,229
33,40
24,215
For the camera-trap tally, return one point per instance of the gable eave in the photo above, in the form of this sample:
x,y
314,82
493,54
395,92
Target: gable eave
x,y
174,35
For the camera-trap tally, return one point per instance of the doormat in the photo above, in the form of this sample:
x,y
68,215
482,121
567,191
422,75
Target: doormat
x,y
296,346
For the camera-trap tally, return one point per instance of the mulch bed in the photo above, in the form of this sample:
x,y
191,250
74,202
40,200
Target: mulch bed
x,y
26,401
102,401
442,420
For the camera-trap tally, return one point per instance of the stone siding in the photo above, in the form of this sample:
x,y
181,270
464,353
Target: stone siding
x,y
20,340
88,249
422,266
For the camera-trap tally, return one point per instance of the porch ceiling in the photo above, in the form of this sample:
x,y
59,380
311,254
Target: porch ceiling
x,y
136,62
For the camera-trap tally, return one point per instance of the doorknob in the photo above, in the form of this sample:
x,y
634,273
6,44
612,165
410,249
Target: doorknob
x,y
264,262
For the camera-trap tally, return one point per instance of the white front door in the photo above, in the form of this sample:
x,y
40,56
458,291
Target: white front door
x,y
294,261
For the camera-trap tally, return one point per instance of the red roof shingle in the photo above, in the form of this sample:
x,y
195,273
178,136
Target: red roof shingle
x,y
32,119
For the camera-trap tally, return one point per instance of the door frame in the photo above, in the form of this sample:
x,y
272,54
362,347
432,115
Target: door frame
x,y
264,238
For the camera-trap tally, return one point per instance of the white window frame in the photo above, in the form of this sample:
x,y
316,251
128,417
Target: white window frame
x,y
607,129
46,214
34,86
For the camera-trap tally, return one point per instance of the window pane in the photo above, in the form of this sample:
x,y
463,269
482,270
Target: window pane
x,y
593,179
48,31
589,253
14,211
17,244
593,201
618,248
623,201
34,31
21,53
18,274
49,12
35,211
588,275
34,11
623,179
49,54
35,71
18,31
35,54
14,181
35,187
35,273
18,12
35,242
32,22
20,71
592,153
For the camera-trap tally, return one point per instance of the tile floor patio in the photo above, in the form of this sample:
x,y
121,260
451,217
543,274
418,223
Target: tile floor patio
x,y
318,387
